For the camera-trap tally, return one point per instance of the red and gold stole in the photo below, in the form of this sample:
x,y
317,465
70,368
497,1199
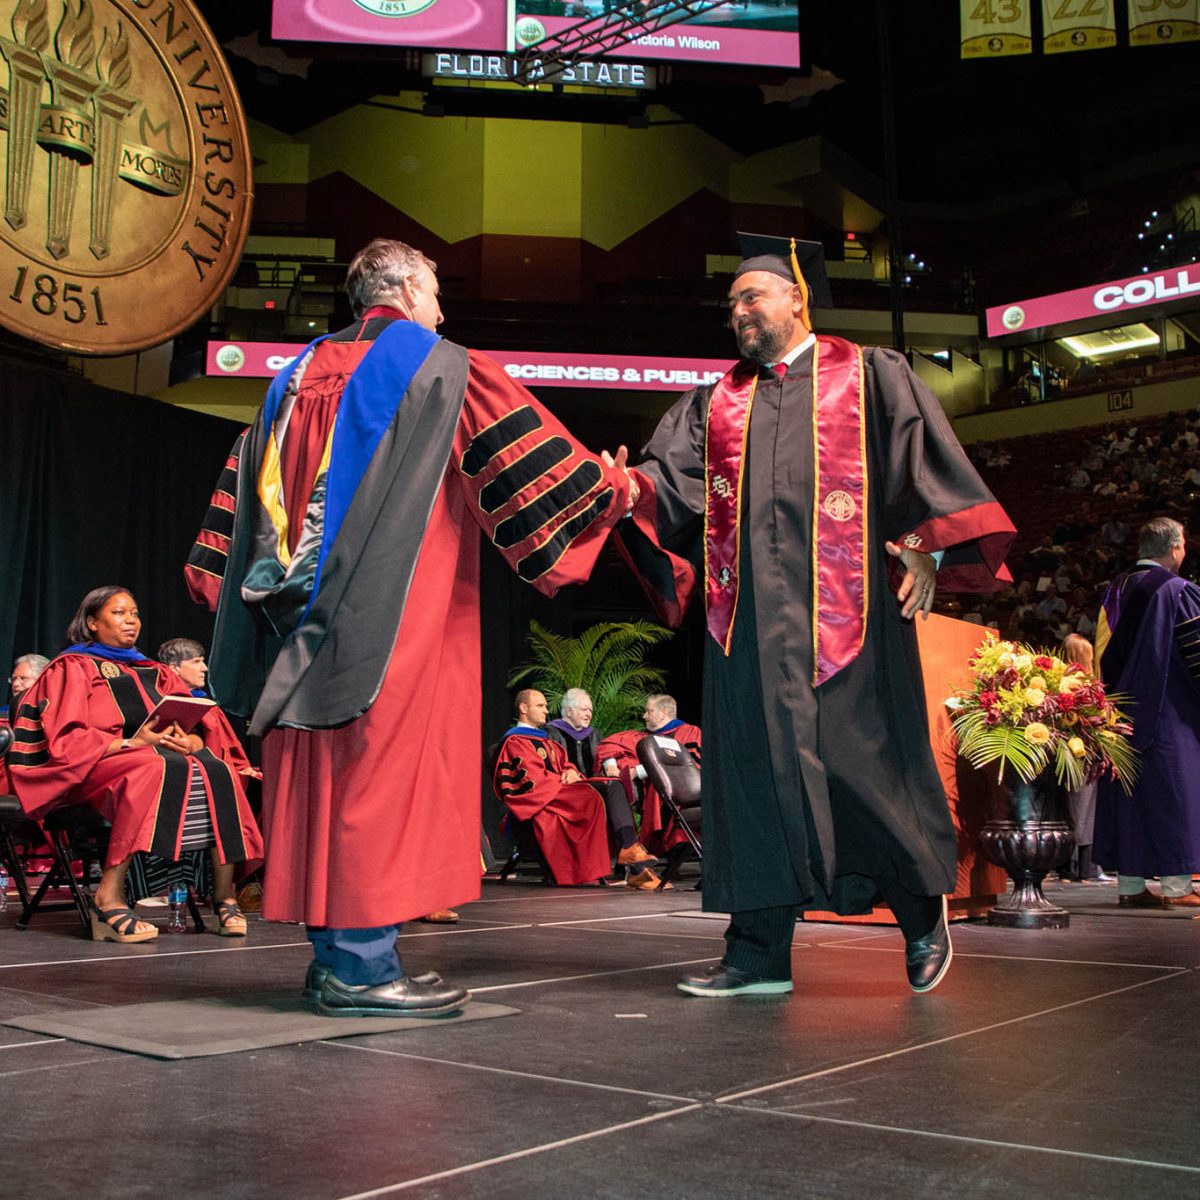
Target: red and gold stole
x,y
839,566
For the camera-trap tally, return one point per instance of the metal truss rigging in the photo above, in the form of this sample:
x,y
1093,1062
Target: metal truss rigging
x,y
546,59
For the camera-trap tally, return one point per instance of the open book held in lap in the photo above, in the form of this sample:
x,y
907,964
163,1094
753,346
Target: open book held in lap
x,y
185,711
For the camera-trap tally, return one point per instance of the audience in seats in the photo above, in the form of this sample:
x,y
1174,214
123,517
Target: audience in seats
x,y
81,737
1075,542
574,733
618,758
571,817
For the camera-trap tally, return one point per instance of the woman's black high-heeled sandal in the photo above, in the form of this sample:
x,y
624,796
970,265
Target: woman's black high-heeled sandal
x,y
118,925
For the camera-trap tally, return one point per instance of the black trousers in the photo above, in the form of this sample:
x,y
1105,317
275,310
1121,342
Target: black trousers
x,y
616,807
759,940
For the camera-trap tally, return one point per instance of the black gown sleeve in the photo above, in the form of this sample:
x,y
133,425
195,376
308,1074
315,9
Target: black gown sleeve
x,y
933,497
661,539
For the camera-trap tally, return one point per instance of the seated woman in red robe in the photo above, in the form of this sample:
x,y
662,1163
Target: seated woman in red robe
x,y
81,738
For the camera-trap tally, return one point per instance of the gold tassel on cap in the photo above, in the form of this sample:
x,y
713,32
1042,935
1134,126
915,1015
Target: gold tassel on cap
x,y
804,317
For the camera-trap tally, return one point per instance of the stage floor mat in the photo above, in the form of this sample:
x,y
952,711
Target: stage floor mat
x,y
212,1025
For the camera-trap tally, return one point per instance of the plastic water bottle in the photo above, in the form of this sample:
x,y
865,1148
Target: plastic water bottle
x,y
3,889
176,909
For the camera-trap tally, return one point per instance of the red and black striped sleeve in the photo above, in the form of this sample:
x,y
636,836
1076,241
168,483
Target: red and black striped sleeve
x,y
546,503
205,567
528,774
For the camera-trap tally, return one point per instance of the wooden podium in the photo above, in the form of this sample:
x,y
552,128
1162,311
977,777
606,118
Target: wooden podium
x,y
946,647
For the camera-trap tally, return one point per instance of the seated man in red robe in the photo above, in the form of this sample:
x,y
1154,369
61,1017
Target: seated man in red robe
x,y
571,817
617,756
25,672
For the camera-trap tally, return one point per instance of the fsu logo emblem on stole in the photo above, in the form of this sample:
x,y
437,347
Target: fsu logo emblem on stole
x,y
110,670
840,505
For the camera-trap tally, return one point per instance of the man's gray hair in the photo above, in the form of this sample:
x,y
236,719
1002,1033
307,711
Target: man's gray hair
x,y
573,698
1157,538
379,270
39,662
665,705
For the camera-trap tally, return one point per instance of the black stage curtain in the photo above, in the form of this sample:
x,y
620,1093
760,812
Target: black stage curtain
x,y
102,487
98,487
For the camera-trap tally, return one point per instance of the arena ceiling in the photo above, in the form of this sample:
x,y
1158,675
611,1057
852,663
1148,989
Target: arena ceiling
x,y
969,136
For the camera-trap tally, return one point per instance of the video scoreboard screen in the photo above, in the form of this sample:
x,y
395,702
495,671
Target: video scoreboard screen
x,y
749,32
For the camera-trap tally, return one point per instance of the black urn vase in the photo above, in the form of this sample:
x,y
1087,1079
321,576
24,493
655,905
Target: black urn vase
x,y
1032,840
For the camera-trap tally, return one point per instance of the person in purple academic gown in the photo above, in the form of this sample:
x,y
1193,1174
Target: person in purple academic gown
x,y
574,733
1148,643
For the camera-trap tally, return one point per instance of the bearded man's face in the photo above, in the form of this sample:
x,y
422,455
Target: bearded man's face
x,y
764,314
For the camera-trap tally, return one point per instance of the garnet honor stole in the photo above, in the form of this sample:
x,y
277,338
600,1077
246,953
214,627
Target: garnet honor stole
x,y
839,533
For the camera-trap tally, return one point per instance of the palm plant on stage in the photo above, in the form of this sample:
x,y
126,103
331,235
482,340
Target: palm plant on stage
x,y
1029,710
607,659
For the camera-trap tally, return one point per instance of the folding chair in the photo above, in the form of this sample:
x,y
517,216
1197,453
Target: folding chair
x,y
525,849
673,773
75,833
11,816
520,833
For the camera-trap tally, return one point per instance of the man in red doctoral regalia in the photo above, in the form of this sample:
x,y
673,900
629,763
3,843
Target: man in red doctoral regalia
x,y
808,471
617,756
572,816
345,530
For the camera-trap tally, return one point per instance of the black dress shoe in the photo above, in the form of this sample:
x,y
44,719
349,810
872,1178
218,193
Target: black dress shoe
x,y
314,981
729,981
403,997
927,959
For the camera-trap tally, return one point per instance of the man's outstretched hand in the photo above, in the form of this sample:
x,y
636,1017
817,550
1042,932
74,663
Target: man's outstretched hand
x,y
920,579
618,461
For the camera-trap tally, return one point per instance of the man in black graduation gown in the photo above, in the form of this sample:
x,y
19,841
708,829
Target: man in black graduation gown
x,y
801,481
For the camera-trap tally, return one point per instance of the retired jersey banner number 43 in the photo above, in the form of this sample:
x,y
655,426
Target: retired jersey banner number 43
x,y
1078,25
994,28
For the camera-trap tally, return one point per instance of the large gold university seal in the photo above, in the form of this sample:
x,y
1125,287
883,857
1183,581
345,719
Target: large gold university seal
x,y
126,177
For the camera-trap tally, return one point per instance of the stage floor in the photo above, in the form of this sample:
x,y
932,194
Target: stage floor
x,y
1048,1063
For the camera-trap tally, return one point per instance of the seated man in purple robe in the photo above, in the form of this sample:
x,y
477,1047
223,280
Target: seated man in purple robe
x,y
574,733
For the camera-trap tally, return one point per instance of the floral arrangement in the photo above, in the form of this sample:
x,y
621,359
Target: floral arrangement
x,y
1028,708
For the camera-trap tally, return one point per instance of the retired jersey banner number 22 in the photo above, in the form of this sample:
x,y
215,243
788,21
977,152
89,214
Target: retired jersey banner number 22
x,y
1078,25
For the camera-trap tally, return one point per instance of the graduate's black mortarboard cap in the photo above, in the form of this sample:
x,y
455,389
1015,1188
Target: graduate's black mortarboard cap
x,y
783,256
